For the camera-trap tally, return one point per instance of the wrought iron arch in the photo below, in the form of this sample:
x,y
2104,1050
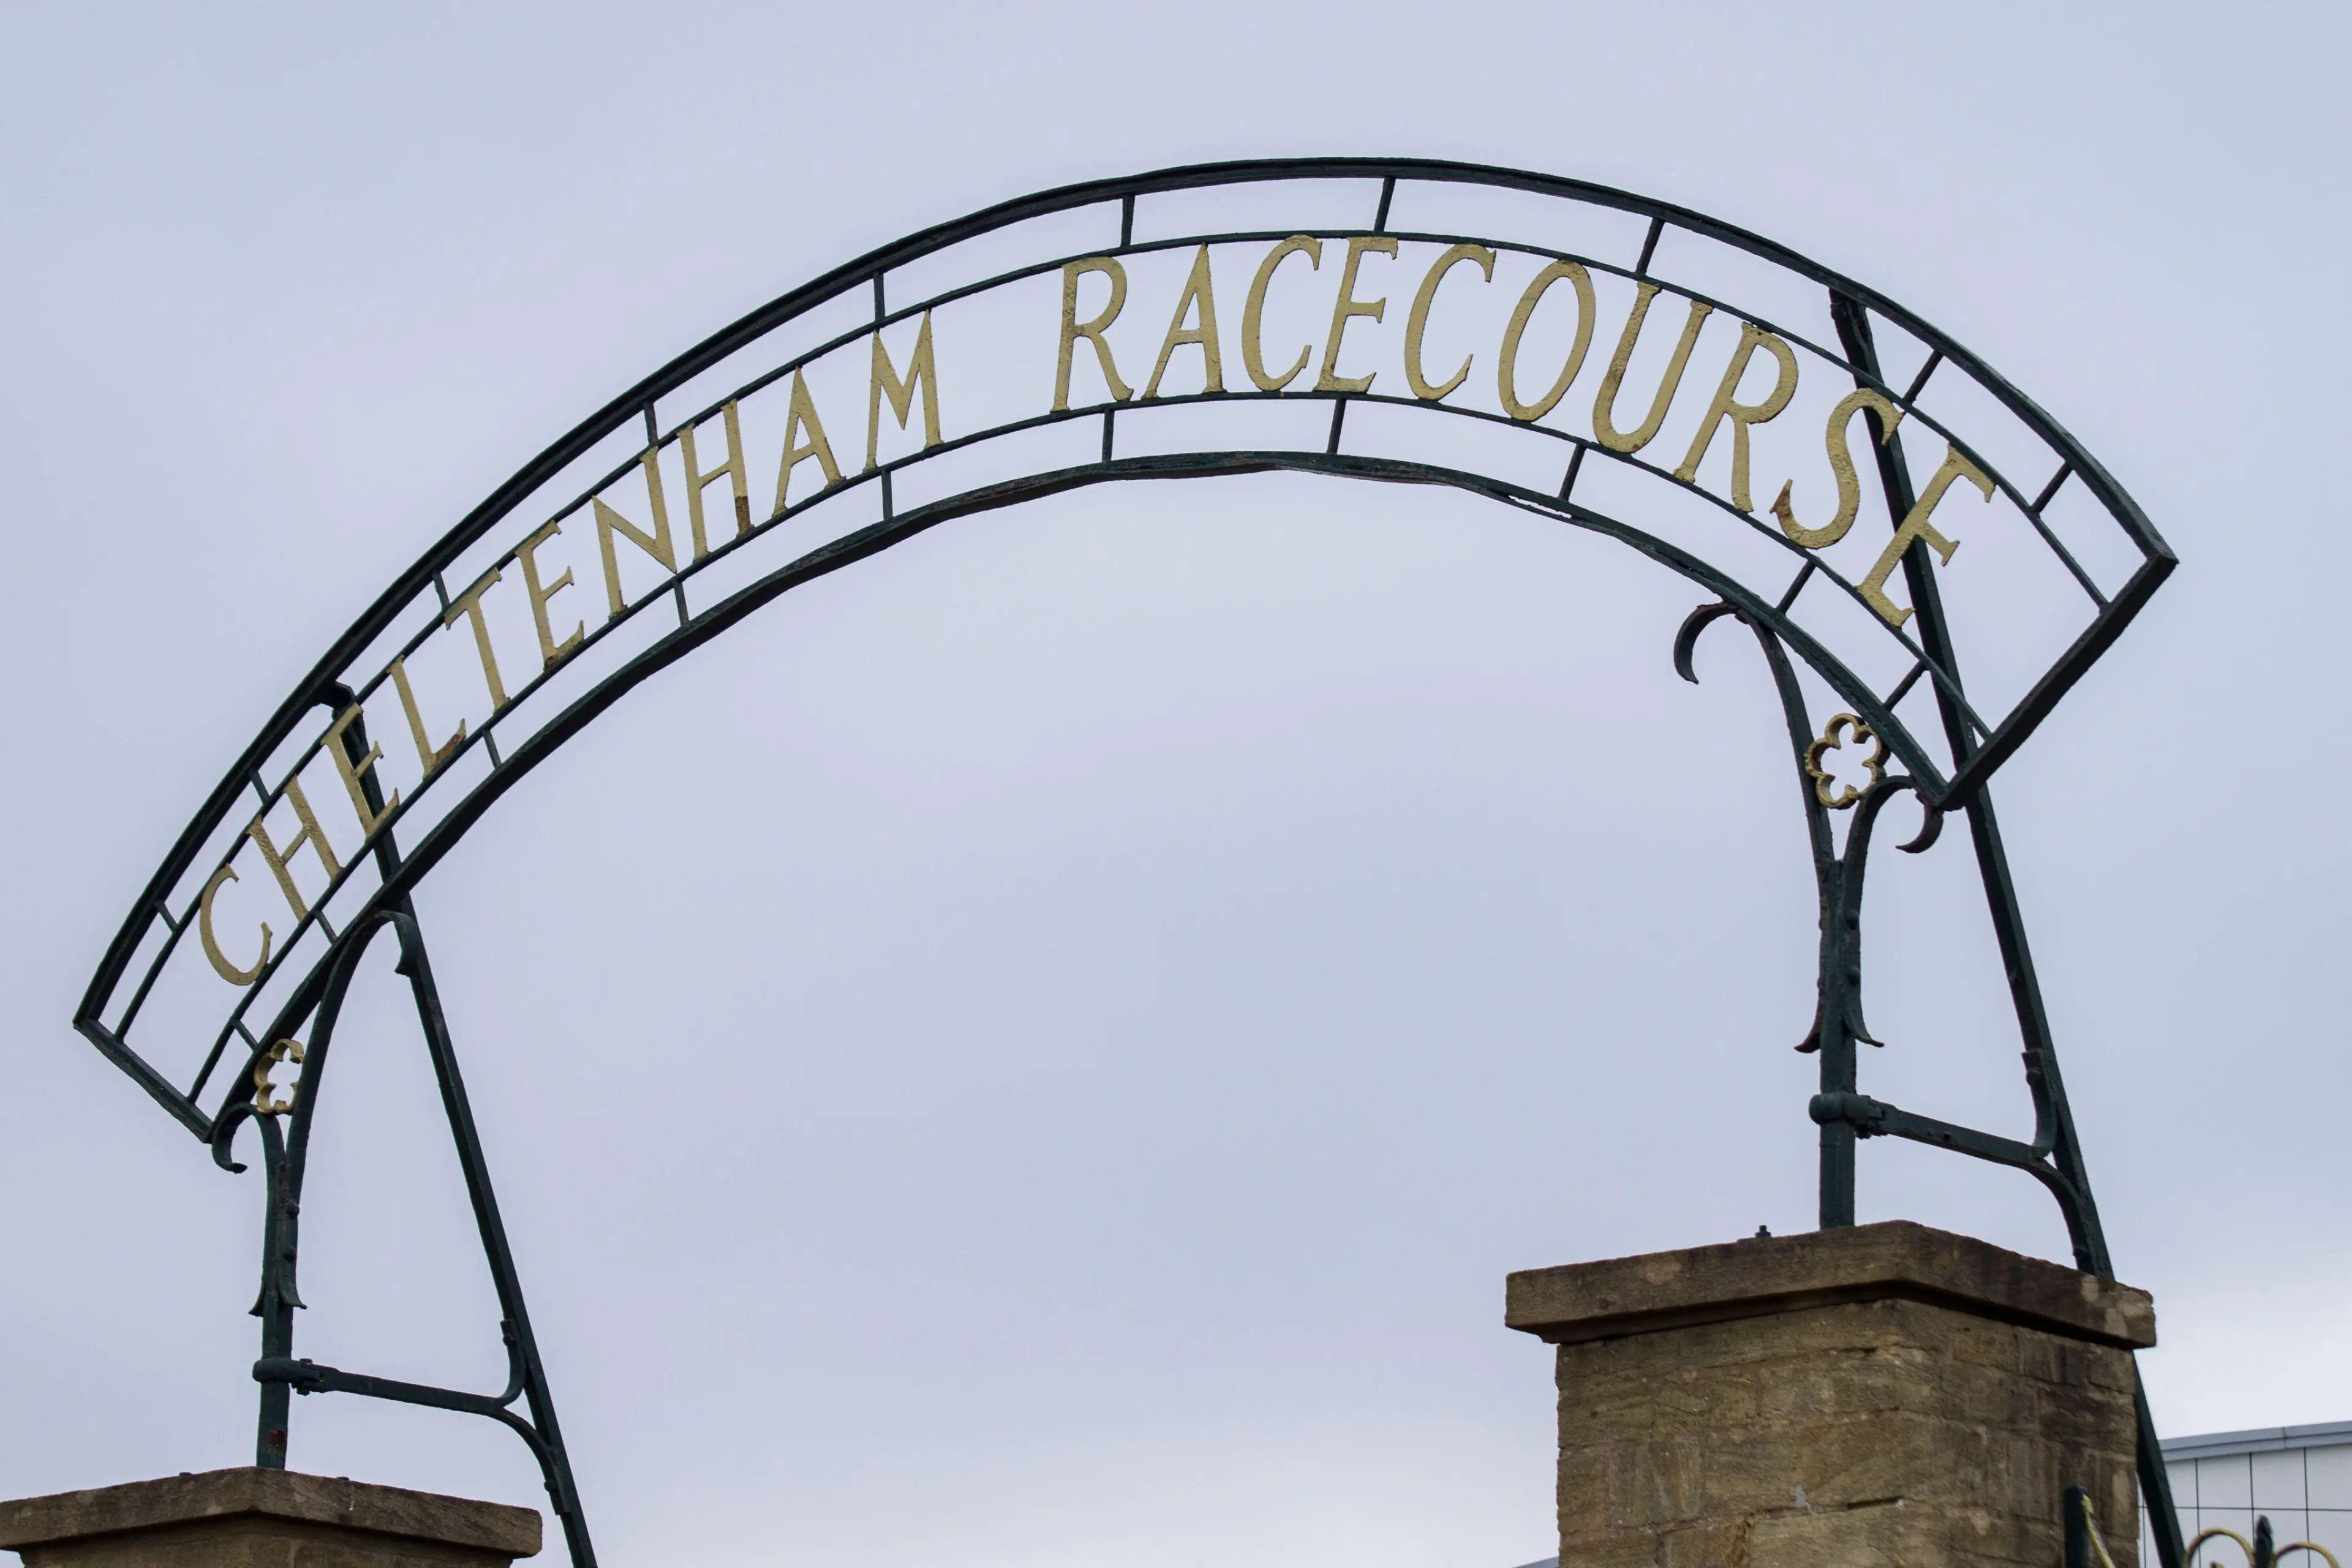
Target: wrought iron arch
x,y
295,989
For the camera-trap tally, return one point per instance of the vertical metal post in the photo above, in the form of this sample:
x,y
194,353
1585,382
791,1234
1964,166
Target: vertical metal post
x,y
2053,1119
285,1155
1838,1062
276,1302
1833,1031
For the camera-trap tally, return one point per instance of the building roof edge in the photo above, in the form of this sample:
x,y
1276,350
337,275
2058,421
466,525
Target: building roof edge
x,y
2258,1441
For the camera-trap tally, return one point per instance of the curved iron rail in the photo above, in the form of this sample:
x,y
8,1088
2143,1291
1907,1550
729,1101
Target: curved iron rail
x,y
1980,750
1844,1116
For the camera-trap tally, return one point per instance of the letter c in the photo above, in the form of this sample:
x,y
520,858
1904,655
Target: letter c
x,y
1417,323
1252,352
220,965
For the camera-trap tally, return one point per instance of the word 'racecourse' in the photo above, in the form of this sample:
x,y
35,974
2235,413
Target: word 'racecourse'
x,y
1194,325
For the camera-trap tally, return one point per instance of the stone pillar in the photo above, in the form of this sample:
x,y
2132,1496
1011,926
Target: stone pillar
x,y
264,1518
1883,1394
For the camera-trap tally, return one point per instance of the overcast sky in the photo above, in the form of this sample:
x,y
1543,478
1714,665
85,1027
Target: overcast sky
x,y
1039,1049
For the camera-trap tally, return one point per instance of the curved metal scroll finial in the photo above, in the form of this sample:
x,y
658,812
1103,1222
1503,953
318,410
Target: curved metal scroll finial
x,y
1686,638
2260,1553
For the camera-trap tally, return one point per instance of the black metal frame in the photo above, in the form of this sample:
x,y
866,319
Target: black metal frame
x,y
285,1158
1976,748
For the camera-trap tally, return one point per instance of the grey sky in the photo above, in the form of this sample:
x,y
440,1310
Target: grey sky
x,y
1039,1049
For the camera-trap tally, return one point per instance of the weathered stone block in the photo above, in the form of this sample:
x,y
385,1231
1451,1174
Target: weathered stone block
x,y
1892,1535
1881,1395
264,1518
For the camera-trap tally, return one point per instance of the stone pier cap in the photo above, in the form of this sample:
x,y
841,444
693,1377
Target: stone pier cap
x,y
251,1518
1767,1274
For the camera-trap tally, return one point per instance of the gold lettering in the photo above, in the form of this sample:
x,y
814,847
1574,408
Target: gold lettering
x,y
1416,320
1072,330
1726,406
220,965
697,481
469,605
1604,408
426,753
1254,313
1197,290
1348,306
355,772
1873,588
527,553
802,417
1849,487
1506,370
311,834
924,368
608,522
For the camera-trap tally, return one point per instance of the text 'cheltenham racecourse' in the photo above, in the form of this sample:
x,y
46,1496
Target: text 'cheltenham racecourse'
x,y
1692,392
